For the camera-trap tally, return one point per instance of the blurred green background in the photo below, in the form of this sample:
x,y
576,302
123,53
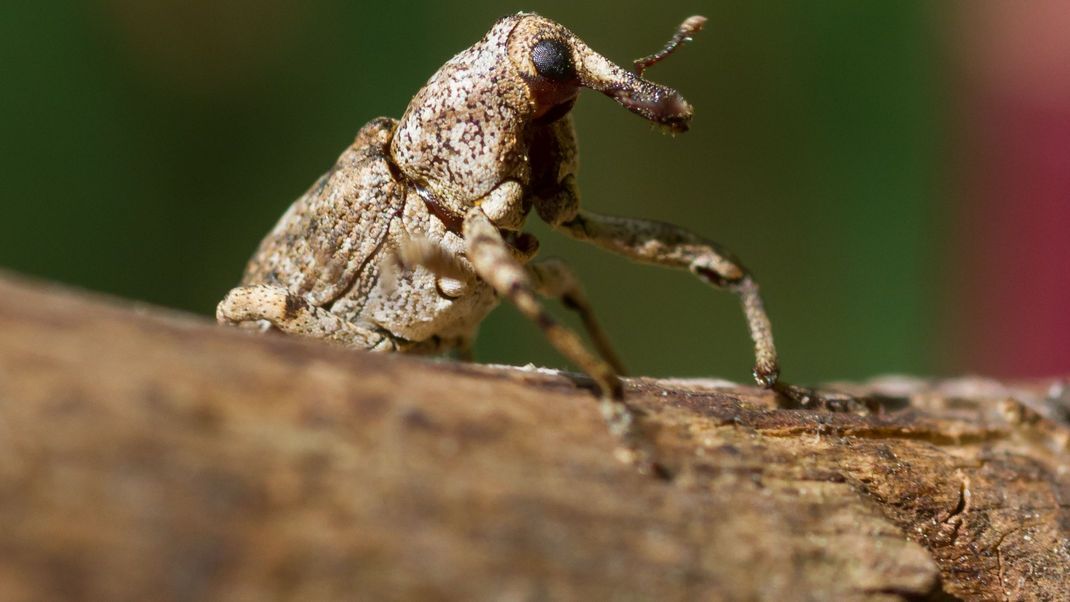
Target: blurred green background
x,y
147,146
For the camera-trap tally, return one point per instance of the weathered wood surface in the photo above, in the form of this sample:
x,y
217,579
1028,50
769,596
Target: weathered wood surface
x,y
150,455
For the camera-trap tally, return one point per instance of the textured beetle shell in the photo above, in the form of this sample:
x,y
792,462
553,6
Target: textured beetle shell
x,y
328,235
329,245
462,134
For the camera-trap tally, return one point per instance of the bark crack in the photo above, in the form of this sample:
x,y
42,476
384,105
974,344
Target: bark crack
x,y
999,561
956,518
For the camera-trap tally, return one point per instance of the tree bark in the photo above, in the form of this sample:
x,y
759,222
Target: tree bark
x,y
146,454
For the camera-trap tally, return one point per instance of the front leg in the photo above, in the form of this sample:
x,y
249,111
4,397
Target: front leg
x,y
495,264
672,246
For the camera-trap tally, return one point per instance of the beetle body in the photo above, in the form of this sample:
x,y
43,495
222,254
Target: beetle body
x,y
416,232
327,252
486,130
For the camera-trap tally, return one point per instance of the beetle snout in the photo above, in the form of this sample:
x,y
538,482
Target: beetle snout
x,y
661,104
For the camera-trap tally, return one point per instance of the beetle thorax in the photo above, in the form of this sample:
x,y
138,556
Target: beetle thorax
x,y
463,134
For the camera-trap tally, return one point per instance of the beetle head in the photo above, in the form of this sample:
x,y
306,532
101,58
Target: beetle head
x,y
465,132
555,64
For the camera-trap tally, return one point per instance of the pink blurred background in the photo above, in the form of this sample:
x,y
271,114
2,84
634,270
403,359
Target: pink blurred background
x,y
1012,222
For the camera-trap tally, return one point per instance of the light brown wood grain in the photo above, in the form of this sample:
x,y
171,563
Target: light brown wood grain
x,y
146,454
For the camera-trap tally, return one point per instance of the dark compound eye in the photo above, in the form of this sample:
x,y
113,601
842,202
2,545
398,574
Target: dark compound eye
x,y
553,60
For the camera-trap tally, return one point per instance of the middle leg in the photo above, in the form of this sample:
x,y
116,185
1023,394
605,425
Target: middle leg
x,y
672,246
553,279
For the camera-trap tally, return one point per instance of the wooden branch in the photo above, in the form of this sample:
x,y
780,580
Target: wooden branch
x,y
146,454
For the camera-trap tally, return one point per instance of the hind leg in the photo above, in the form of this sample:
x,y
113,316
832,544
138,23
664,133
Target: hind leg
x,y
291,314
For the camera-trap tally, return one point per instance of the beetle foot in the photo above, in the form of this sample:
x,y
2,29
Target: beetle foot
x,y
795,397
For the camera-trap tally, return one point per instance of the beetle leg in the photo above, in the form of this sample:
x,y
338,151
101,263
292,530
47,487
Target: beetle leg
x,y
672,246
417,250
495,264
291,314
553,279
453,276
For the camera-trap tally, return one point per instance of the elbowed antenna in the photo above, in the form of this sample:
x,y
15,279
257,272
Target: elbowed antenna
x,y
684,32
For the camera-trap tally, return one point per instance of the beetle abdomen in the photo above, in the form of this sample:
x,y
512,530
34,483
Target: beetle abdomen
x,y
321,244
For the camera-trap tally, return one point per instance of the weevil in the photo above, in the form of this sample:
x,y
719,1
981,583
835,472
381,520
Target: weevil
x,y
416,232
